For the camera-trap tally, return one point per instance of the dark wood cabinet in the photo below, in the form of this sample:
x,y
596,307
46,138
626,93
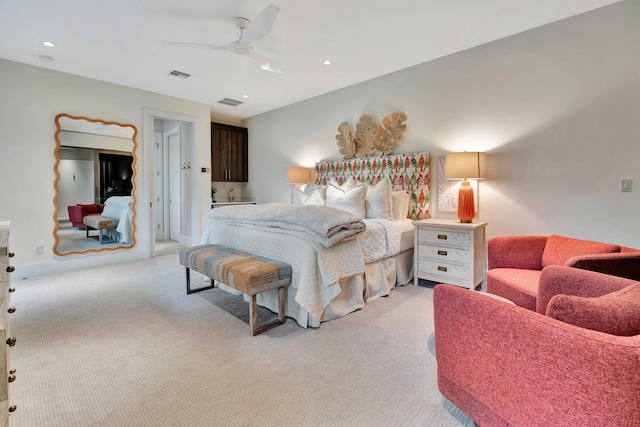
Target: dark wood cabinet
x,y
229,153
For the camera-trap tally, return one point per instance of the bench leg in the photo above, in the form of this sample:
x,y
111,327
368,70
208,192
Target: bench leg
x,y
193,291
253,313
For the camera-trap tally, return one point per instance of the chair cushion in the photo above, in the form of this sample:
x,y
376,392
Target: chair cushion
x,y
617,313
514,284
559,249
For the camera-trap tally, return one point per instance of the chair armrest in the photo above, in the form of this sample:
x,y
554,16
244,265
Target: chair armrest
x,y
505,365
623,264
556,280
76,213
516,252
100,207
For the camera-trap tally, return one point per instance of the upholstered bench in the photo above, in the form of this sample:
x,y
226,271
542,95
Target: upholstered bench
x,y
100,223
242,271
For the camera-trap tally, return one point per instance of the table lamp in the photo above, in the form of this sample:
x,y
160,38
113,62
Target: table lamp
x,y
297,175
466,165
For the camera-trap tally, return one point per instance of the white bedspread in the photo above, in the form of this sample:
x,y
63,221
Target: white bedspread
x,y
316,269
120,207
324,224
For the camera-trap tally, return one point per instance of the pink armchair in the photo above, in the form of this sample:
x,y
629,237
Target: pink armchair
x,y
516,263
504,365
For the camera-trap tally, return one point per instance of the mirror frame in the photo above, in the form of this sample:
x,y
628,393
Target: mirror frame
x,y
57,189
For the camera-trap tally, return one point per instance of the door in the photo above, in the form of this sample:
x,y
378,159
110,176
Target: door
x,y
173,140
158,187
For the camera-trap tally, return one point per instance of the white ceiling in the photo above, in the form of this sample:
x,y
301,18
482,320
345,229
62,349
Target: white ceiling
x,y
120,41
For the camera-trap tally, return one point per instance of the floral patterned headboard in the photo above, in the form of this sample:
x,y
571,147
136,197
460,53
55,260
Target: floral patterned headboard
x,y
407,172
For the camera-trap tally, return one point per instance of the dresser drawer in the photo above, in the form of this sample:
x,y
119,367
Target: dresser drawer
x,y
444,237
444,254
443,269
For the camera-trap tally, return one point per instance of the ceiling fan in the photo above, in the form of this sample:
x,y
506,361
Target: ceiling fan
x,y
249,32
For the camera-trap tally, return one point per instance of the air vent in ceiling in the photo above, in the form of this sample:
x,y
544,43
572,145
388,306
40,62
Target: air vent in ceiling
x,y
231,102
179,74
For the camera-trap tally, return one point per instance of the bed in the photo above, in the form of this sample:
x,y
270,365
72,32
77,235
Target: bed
x,y
340,258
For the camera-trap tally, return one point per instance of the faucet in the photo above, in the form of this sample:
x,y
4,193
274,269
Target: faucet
x,y
232,195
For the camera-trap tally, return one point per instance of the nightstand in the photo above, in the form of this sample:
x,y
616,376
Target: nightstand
x,y
448,251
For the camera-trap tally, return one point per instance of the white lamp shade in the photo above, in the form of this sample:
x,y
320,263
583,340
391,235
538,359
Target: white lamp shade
x,y
297,175
467,165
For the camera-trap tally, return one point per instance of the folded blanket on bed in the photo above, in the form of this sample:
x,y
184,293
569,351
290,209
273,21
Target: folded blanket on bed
x,y
325,224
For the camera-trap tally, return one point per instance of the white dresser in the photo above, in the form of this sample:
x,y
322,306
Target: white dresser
x,y
448,251
5,312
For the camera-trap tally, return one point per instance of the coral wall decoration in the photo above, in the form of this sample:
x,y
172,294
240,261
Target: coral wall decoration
x,y
407,172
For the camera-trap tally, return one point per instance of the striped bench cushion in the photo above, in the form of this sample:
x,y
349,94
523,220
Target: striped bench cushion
x,y
240,270
100,222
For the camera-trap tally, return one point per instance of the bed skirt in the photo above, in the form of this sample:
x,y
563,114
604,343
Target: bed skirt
x,y
378,279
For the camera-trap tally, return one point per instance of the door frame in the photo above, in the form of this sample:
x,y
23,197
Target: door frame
x,y
145,209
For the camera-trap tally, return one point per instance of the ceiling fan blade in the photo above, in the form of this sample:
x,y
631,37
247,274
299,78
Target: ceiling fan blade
x,y
264,63
261,26
198,45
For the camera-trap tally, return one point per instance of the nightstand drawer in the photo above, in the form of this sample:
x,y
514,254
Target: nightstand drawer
x,y
444,254
443,269
444,237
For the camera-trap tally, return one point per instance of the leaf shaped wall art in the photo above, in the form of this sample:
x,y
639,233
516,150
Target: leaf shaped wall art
x,y
366,130
389,132
347,147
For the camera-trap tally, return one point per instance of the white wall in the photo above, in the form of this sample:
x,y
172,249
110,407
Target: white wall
x,y
557,109
31,98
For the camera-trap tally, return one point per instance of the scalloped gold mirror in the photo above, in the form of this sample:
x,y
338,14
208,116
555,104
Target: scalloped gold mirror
x,y
95,182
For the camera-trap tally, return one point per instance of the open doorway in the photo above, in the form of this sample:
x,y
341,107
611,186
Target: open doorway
x,y
172,171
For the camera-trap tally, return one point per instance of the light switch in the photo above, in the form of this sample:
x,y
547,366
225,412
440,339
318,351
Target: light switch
x,y
625,185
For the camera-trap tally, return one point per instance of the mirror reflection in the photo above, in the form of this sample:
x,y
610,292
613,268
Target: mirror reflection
x,y
95,185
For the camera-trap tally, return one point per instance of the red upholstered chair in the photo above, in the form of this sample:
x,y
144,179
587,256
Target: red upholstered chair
x,y
504,365
516,263
78,212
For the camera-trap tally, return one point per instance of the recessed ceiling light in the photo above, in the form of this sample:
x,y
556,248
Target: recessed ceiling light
x,y
48,44
326,62
245,96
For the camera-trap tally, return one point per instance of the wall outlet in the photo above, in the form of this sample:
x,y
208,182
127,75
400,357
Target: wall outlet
x,y
626,185
39,249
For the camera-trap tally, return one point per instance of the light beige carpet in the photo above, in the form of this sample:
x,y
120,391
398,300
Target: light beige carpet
x,y
124,346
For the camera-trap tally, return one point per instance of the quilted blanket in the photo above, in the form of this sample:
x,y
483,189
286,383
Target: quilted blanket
x,y
326,225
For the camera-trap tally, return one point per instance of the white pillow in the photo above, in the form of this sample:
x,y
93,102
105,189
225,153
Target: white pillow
x,y
378,200
298,197
347,197
400,204
321,189
301,198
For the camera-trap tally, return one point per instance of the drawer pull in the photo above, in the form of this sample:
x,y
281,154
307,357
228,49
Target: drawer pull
x,y
13,371
443,253
11,341
442,237
12,289
440,268
10,269
11,310
13,408
11,378
12,254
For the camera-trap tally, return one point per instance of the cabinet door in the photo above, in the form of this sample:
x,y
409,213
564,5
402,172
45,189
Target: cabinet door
x,y
229,153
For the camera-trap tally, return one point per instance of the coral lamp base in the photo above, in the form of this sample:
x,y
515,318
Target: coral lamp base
x,y
466,205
